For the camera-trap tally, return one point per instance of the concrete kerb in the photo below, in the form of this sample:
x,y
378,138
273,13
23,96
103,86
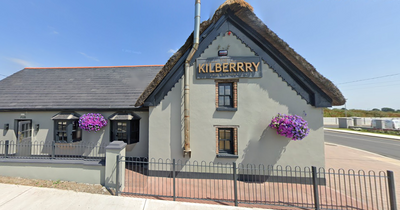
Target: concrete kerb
x,y
365,134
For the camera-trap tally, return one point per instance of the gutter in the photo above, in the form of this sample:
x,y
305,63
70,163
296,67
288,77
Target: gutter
x,y
187,151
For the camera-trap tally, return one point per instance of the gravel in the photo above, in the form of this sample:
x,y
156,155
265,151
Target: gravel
x,y
58,184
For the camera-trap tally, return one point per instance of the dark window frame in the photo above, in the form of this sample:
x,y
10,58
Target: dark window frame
x,y
71,129
224,138
220,99
225,98
132,131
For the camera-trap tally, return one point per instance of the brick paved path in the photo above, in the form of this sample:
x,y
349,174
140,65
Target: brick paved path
x,y
263,193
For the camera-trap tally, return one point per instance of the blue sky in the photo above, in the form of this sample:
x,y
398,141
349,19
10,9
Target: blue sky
x,y
354,43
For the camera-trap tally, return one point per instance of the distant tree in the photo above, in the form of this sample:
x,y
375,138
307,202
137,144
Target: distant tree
x,y
387,109
343,108
375,109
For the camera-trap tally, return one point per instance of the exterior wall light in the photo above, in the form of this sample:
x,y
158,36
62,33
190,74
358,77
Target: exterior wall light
x,y
37,126
223,53
6,126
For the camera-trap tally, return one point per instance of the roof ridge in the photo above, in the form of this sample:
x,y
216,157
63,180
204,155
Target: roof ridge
x,y
88,67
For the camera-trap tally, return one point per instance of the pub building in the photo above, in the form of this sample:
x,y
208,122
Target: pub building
x,y
212,101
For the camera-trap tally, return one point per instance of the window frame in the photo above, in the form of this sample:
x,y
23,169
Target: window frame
x,y
233,93
225,139
72,131
233,152
132,127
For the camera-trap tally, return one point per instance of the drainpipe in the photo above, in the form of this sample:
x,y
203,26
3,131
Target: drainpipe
x,y
187,150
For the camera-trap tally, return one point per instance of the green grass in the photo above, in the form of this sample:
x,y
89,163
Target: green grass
x,y
383,132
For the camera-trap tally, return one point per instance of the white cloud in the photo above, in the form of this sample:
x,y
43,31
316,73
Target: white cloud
x,y
172,51
90,57
21,62
55,32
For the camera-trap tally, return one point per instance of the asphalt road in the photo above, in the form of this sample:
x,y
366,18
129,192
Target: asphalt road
x,y
386,147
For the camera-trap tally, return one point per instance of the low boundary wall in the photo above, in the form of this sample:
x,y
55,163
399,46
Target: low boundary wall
x,y
92,172
99,170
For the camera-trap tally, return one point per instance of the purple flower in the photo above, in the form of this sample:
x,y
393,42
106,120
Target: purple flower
x,y
92,122
290,126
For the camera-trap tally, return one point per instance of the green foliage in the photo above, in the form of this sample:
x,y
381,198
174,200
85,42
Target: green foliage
x,y
360,113
384,131
387,109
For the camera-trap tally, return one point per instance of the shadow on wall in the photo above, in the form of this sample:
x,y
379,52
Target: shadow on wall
x,y
267,150
175,125
276,89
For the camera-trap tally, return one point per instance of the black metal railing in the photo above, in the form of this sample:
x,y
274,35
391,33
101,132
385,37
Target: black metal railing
x,y
307,187
52,150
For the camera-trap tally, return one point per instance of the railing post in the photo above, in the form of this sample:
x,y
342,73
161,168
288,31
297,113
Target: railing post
x,y
315,187
235,184
117,177
173,178
53,149
6,148
392,191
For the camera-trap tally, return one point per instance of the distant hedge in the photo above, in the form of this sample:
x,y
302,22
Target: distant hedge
x,y
359,113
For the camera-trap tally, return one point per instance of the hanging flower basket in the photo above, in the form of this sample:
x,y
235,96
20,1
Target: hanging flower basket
x,y
92,122
290,126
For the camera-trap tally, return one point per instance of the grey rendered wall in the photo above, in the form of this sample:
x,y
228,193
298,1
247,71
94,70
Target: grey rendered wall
x,y
45,133
82,173
259,100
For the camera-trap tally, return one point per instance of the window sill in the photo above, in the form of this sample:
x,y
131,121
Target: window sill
x,y
227,109
227,156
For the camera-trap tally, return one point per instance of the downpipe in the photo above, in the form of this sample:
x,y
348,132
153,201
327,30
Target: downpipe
x,y
187,150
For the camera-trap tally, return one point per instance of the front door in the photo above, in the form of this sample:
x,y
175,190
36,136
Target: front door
x,y
24,138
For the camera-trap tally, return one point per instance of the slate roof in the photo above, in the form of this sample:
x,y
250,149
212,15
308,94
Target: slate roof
x,y
76,88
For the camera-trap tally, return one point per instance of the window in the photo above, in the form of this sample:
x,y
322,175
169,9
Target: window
x,y
226,95
226,141
67,131
66,128
125,127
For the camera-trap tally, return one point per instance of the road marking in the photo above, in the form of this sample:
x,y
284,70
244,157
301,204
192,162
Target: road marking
x,y
344,136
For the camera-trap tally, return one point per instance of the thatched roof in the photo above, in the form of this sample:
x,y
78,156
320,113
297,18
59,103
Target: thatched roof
x,y
244,11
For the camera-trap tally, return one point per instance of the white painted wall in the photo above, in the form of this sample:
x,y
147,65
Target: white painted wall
x,y
46,131
259,100
364,120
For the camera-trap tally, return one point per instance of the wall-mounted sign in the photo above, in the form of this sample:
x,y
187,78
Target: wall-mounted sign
x,y
228,67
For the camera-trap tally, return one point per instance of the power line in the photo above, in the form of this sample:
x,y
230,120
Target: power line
x,y
3,75
379,86
390,75
371,83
